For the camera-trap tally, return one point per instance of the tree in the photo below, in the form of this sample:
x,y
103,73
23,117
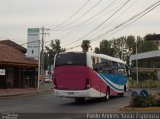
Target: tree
x,y
130,42
51,51
149,45
97,50
46,60
104,48
123,47
130,47
85,45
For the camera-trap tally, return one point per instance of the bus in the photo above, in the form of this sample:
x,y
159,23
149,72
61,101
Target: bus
x,y
81,75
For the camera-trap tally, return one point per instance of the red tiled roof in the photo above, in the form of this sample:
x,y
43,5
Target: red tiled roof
x,y
13,44
10,54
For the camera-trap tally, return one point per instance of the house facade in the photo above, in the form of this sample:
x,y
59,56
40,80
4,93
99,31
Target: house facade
x,y
16,70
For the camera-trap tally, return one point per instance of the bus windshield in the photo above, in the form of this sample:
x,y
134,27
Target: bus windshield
x,y
71,59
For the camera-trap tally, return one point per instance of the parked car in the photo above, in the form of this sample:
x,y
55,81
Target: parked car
x,y
47,79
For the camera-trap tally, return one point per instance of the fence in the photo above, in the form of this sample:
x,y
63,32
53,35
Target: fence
x,y
150,84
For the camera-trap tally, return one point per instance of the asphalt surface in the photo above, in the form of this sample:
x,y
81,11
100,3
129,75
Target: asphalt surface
x,y
48,103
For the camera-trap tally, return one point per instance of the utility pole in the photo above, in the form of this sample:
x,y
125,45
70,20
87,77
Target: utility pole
x,y
122,51
41,61
136,64
42,54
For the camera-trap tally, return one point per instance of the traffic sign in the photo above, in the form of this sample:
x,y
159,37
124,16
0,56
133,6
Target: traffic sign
x,y
144,93
134,93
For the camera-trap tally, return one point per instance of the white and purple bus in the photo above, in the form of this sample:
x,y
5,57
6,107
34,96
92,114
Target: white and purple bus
x,y
82,75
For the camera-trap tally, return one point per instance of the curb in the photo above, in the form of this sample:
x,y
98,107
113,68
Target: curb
x,y
25,94
135,109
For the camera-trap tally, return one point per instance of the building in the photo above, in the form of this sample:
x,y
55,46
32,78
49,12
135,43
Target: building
x,y
16,70
151,56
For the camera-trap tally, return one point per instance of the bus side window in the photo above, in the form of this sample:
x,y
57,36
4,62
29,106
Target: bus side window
x,y
95,67
95,64
128,71
121,69
107,67
93,60
100,65
115,67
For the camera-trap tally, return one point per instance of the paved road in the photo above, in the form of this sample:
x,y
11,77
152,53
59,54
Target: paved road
x,y
48,103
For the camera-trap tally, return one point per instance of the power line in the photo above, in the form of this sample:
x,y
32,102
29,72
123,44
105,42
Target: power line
x,y
137,16
118,16
72,15
89,18
82,15
92,16
100,24
29,42
125,22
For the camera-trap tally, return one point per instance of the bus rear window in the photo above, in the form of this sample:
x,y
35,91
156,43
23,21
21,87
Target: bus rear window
x,y
71,59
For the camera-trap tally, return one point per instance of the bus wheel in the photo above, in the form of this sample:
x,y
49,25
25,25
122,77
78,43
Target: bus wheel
x,y
122,94
107,94
106,98
79,99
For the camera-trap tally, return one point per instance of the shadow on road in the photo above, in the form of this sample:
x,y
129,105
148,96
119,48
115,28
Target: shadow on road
x,y
91,101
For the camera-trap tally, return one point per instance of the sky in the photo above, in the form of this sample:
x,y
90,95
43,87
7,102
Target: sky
x,y
67,21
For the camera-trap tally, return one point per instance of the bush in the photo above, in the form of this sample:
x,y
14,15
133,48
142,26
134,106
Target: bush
x,y
158,102
137,101
149,101
140,101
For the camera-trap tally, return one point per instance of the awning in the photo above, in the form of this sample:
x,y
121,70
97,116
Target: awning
x,y
146,55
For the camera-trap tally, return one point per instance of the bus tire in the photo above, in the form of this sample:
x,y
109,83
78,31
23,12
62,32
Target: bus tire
x,y
122,94
106,98
78,100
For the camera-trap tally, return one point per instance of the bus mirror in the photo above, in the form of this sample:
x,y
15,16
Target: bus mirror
x,y
129,72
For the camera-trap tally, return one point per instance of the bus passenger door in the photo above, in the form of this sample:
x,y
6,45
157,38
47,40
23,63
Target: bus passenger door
x,y
120,76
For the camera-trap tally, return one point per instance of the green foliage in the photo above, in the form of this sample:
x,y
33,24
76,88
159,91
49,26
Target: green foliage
x,y
145,76
97,50
158,102
105,48
149,101
85,45
54,48
123,47
131,42
139,101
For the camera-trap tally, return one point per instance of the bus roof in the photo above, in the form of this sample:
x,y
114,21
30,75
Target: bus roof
x,y
70,52
99,55
108,58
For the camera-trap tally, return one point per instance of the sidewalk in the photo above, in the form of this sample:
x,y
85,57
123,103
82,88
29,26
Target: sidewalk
x,y
14,92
